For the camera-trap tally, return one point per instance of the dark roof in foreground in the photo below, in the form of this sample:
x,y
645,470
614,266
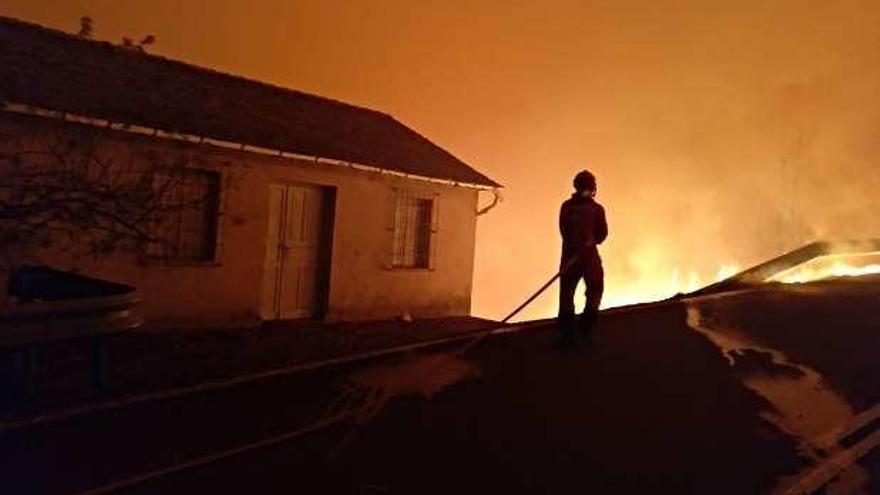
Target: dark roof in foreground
x,y
57,71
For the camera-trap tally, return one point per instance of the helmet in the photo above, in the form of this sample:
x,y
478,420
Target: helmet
x,y
584,181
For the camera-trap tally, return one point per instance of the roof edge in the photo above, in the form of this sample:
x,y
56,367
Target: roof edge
x,y
485,183
34,111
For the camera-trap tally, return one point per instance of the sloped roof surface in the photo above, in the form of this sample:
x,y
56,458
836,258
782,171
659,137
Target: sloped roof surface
x,y
57,71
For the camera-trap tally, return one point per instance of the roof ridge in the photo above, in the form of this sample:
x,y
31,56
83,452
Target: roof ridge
x,y
188,65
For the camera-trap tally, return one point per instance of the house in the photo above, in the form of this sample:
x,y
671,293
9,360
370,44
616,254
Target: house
x,y
334,211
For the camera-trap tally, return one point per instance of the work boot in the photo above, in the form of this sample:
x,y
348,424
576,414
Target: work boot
x,y
588,321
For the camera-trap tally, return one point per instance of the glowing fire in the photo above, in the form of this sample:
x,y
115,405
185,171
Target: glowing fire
x,y
656,281
659,284
831,266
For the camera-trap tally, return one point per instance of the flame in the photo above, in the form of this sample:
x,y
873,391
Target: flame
x,y
726,271
656,280
830,266
657,283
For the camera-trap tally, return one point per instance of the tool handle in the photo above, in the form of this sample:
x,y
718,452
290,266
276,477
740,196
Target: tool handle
x,y
537,293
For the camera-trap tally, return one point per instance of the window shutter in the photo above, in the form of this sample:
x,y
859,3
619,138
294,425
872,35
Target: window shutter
x,y
222,198
435,232
391,251
413,226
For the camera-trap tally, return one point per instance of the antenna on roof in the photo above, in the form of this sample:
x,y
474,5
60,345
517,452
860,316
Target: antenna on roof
x,y
85,27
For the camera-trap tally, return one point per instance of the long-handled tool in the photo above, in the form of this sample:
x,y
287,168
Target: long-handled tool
x,y
568,264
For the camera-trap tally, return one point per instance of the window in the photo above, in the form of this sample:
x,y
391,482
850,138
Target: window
x,y
414,224
188,228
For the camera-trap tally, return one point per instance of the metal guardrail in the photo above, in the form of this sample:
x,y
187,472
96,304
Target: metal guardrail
x,y
48,321
60,306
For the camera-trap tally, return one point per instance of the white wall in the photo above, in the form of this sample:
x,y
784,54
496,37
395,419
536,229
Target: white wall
x,y
362,286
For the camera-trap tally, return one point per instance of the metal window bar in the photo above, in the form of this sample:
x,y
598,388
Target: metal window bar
x,y
413,225
435,230
398,229
190,232
423,209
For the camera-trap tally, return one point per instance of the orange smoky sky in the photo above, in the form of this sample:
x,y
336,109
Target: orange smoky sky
x,y
721,132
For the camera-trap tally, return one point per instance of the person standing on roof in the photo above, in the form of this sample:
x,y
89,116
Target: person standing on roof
x,y
583,227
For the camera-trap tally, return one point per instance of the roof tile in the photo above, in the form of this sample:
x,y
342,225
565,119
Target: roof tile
x,y
58,71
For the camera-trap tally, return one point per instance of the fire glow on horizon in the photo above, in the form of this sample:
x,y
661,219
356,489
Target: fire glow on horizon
x,y
663,284
677,281
830,266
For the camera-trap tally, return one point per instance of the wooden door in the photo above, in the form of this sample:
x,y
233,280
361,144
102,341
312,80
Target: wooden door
x,y
295,251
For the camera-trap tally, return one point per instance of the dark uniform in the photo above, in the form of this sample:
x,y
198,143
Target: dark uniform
x,y
583,226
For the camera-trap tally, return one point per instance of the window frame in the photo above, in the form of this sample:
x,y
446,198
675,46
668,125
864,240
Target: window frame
x,y
428,235
214,189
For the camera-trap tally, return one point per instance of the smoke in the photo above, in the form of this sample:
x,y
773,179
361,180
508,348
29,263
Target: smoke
x,y
727,150
721,133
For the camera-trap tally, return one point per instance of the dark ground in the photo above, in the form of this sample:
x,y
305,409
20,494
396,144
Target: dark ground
x,y
149,360
832,326
651,407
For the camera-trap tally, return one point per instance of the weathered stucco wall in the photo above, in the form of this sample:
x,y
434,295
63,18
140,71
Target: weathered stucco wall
x,y
362,284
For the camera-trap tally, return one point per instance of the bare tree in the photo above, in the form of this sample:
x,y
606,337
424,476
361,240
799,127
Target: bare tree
x,y
140,46
67,191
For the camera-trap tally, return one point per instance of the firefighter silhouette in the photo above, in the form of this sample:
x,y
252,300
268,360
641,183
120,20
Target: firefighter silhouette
x,y
583,227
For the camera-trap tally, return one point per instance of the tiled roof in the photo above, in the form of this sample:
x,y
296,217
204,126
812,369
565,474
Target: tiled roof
x,y
53,70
